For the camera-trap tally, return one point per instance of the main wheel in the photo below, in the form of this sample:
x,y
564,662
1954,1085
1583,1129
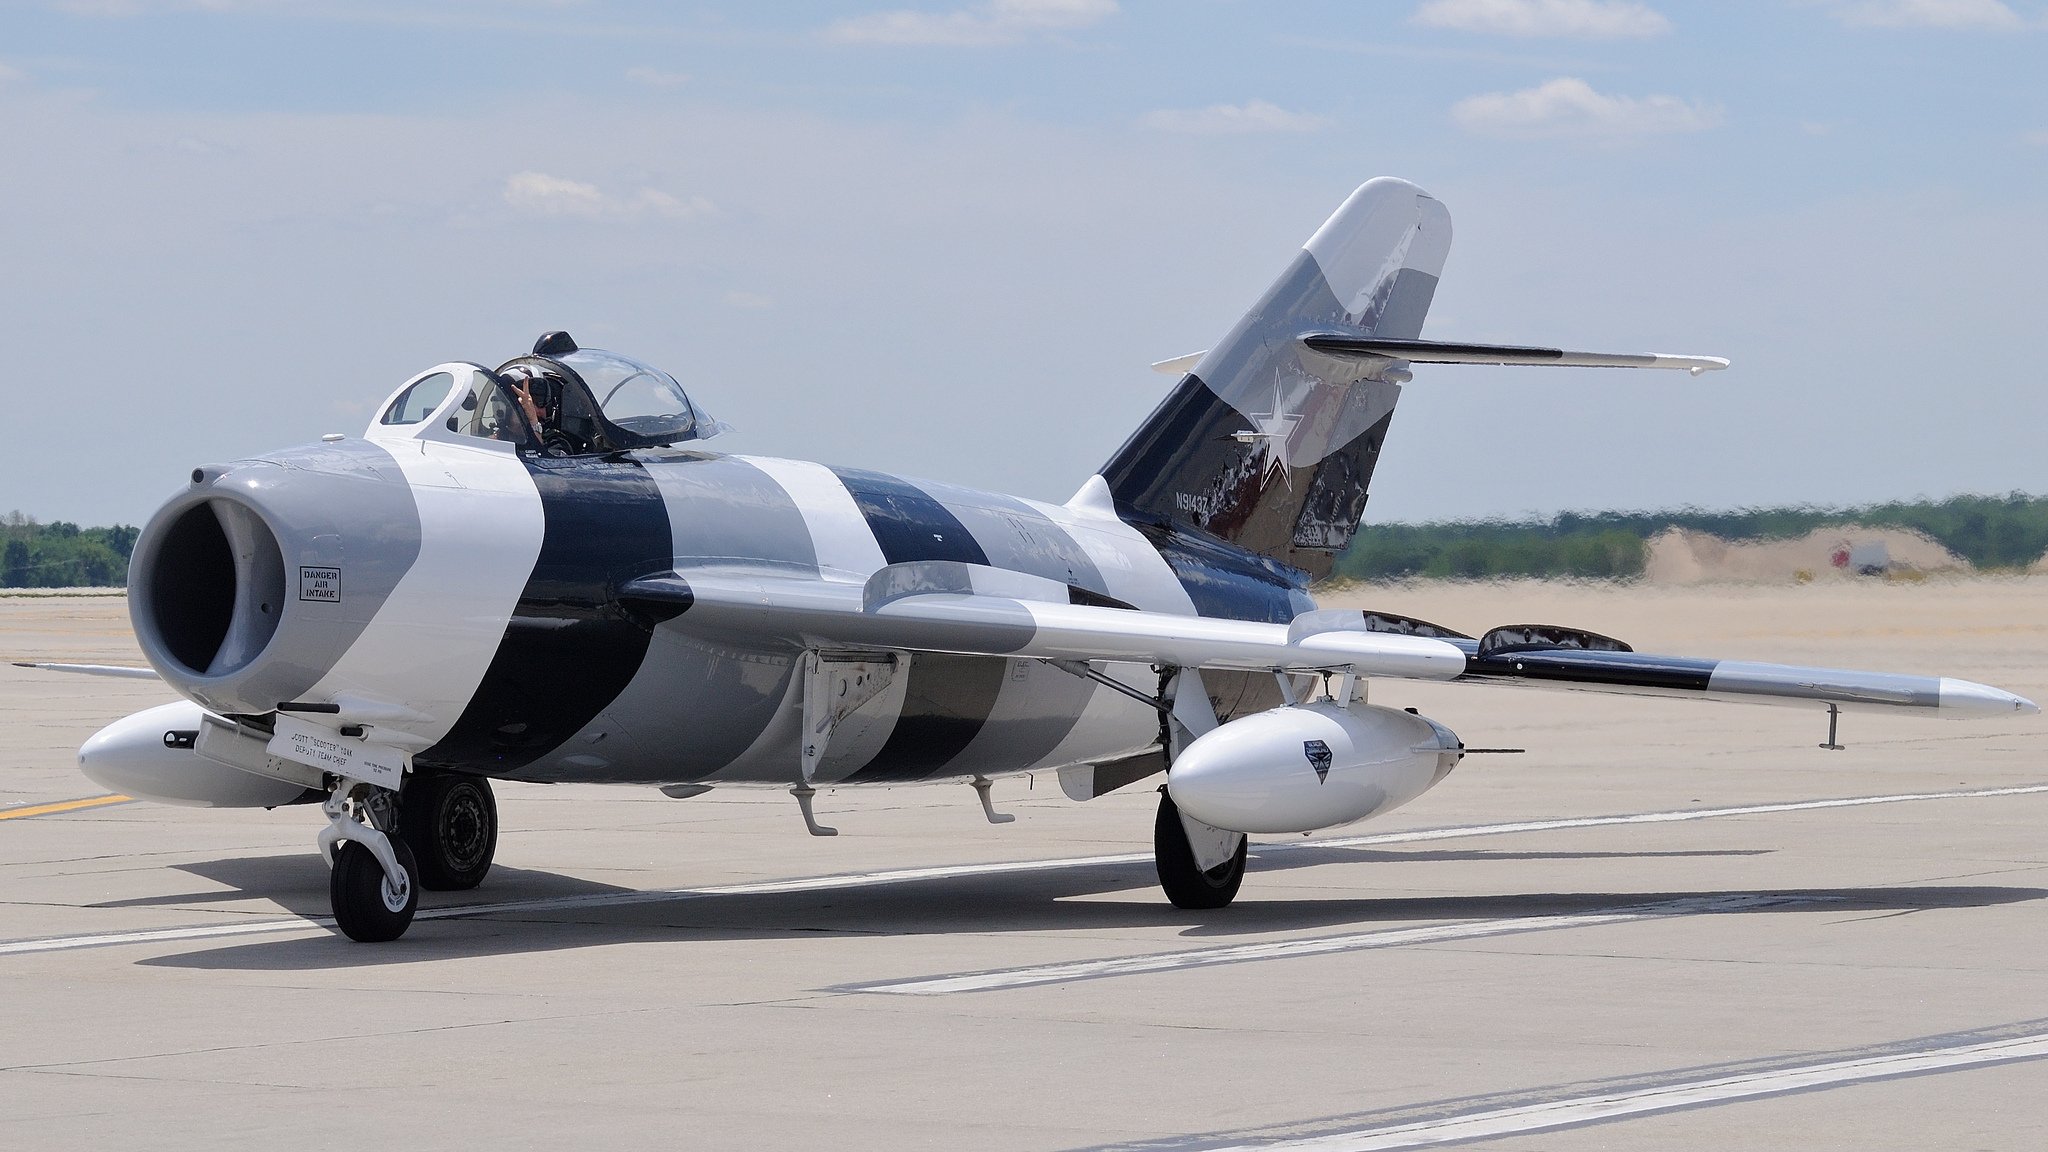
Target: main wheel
x,y
366,906
451,824
1185,882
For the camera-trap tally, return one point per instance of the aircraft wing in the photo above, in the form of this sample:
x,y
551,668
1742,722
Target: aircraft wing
x,y
943,606
1545,656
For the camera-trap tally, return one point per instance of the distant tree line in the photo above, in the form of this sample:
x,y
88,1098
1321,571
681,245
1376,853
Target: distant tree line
x,y
62,555
1992,532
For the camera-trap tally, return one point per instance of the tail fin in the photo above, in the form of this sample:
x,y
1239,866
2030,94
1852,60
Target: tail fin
x,y
1268,443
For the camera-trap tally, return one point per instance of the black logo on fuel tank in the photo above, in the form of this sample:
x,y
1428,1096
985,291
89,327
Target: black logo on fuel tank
x,y
1318,754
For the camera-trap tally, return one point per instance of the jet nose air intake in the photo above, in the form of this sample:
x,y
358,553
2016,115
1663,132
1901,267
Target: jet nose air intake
x,y
246,587
215,586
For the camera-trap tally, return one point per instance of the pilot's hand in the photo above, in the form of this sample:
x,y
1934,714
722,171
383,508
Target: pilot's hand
x,y
526,403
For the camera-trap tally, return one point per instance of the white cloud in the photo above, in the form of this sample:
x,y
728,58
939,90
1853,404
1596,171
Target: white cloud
x,y
8,74
993,22
1926,14
656,78
2037,138
1253,116
539,194
1569,107
1591,19
752,301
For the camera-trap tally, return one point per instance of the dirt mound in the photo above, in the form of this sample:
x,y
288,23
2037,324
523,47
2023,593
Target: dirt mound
x,y
1682,556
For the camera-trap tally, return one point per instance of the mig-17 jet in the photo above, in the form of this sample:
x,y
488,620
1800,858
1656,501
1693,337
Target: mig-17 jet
x,y
541,571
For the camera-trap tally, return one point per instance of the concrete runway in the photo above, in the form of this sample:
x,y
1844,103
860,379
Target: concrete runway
x,y
1667,926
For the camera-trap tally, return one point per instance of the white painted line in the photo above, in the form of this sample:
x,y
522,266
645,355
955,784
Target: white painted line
x,y
156,935
1678,817
1318,946
913,875
1554,1114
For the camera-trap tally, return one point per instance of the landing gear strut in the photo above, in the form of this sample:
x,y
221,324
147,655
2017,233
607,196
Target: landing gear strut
x,y
451,824
1181,874
375,883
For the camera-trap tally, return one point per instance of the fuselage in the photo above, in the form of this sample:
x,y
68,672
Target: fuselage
x,y
477,602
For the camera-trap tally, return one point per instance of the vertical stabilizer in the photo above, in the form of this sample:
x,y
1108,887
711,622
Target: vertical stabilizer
x,y
1269,444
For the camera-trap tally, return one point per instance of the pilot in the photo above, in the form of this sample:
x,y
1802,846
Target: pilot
x,y
541,399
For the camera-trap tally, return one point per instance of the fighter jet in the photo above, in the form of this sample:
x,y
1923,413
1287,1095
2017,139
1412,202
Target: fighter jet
x,y
540,572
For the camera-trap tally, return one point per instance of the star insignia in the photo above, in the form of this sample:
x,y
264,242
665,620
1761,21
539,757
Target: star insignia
x,y
1272,430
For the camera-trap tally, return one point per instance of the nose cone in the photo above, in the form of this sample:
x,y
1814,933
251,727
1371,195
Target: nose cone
x,y
245,588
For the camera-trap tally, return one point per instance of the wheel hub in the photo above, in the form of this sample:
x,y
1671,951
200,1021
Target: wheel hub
x,y
462,828
394,895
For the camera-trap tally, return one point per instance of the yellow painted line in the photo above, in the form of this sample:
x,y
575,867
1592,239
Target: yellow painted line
x,y
63,806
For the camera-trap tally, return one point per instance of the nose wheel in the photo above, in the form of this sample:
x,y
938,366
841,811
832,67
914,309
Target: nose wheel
x,y
368,906
374,886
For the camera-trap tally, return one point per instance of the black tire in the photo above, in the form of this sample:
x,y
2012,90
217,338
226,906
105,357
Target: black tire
x,y
362,898
451,824
1186,884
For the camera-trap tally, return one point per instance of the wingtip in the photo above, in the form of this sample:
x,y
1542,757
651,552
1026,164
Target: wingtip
x,y
1693,365
1964,697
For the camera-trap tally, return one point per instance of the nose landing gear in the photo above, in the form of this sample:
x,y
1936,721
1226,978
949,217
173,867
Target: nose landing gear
x,y
368,906
441,838
374,886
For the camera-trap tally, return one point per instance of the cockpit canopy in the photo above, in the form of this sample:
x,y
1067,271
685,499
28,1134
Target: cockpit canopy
x,y
561,400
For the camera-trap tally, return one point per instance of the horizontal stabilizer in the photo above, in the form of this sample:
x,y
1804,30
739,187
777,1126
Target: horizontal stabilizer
x,y
1445,352
1179,365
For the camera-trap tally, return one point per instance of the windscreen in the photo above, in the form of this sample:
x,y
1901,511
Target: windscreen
x,y
644,402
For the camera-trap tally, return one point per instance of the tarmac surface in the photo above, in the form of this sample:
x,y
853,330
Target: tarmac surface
x,y
1666,926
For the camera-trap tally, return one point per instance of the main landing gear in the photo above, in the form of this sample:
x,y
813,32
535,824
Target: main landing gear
x,y
442,837
1181,853
451,824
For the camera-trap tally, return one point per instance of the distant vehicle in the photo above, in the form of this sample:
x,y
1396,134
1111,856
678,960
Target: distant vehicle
x,y
538,572
1870,558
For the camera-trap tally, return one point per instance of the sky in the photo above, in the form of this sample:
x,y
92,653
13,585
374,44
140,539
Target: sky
x,y
946,240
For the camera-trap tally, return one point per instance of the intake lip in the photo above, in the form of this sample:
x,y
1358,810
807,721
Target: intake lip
x,y
208,587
